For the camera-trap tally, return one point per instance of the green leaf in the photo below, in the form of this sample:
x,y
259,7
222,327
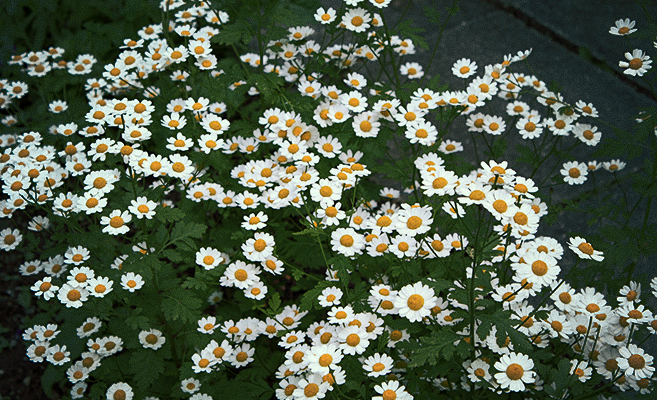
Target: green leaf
x,y
526,154
431,349
147,365
172,255
432,14
268,85
181,304
275,302
231,34
194,283
162,235
310,231
296,274
184,230
439,285
169,214
239,236
344,268
507,328
137,322
434,82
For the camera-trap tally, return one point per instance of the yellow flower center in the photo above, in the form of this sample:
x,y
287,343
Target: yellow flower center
x,y
357,21
378,367
326,337
593,308
384,221
259,245
520,218
477,195
585,248
347,240
353,340
120,395
178,166
500,206
636,63
539,268
515,371
100,182
219,352
414,222
422,133
241,275
289,389
116,222
415,302
325,360
311,390
74,295
636,361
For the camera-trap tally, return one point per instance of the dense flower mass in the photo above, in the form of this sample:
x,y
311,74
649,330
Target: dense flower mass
x,y
216,217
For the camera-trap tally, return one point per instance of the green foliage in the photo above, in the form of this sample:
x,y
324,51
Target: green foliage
x,y
433,349
180,304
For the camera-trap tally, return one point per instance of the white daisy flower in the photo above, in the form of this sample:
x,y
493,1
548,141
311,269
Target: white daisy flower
x,y
378,365
330,296
415,301
515,371
116,222
353,340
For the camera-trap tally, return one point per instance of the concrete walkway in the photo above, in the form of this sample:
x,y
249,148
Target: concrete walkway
x,y
558,31
571,46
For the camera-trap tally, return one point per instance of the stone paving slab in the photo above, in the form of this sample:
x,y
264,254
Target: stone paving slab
x,y
586,24
486,34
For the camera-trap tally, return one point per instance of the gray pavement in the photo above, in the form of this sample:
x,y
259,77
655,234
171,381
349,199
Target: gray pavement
x,y
571,46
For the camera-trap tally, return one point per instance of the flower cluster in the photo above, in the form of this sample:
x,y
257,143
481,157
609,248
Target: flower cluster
x,y
248,182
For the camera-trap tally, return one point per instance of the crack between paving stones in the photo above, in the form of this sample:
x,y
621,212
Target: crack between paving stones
x,y
568,45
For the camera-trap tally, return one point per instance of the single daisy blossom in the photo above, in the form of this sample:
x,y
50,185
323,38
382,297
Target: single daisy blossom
x,y
415,301
634,361
515,371
378,365
638,63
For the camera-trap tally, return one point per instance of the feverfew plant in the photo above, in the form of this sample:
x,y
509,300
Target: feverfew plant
x,y
211,223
